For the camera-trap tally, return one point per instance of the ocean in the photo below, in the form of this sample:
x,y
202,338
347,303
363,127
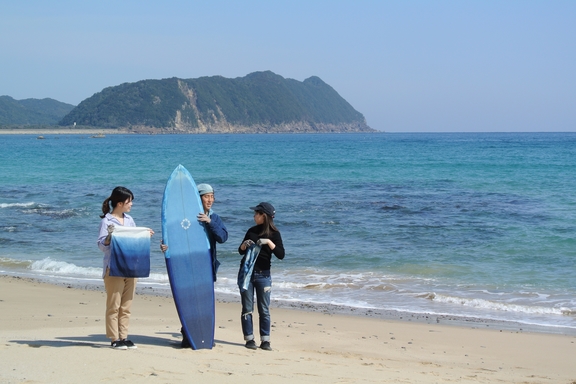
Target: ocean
x,y
472,225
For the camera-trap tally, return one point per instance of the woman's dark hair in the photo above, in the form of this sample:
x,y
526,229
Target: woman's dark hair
x,y
268,226
119,195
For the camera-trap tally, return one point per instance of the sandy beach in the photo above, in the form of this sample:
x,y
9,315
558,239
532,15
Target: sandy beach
x,y
55,334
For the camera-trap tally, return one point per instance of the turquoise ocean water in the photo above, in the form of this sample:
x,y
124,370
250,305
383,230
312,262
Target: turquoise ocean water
x,y
476,225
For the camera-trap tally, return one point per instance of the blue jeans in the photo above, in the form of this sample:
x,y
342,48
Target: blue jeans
x,y
261,282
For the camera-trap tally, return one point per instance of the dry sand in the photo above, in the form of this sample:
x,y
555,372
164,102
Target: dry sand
x,y
55,334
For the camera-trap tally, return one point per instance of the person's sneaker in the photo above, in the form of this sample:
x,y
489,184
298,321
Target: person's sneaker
x,y
251,344
118,344
265,345
185,343
129,344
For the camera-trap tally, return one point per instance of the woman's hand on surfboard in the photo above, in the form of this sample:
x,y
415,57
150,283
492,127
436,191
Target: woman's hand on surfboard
x,y
163,247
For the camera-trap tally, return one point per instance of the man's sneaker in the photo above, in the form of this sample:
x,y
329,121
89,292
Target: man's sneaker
x,y
118,344
185,343
129,344
251,344
265,345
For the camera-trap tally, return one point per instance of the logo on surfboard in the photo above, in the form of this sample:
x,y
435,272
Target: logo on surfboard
x,y
185,223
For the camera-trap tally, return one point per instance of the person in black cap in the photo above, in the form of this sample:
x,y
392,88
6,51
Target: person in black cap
x,y
265,234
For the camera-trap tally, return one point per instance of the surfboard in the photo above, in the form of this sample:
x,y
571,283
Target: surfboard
x,y
188,259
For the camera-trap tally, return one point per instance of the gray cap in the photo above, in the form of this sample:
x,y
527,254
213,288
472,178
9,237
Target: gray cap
x,y
204,189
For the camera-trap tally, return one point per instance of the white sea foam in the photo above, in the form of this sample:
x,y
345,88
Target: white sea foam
x,y
157,277
500,306
49,266
63,268
18,205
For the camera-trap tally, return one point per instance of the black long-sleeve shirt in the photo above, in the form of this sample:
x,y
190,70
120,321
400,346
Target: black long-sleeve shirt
x,y
264,260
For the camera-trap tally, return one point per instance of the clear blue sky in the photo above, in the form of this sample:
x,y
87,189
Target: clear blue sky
x,y
408,66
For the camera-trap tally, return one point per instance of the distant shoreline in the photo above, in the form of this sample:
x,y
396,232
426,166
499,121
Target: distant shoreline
x,y
60,131
114,131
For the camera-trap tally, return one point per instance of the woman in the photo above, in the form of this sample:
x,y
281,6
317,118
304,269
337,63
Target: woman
x,y
119,290
215,229
265,234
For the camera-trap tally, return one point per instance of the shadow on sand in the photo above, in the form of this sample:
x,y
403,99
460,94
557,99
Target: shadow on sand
x,y
166,339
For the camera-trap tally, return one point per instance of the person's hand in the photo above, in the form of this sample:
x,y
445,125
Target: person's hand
x,y
267,242
204,218
246,244
110,229
151,231
163,247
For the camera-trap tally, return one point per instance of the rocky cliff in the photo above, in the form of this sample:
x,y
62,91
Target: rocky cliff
x,y
261,102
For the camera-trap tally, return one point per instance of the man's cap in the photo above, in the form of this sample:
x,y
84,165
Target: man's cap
x,y
204,189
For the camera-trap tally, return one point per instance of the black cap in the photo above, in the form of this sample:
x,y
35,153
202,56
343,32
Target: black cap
x,y
267,208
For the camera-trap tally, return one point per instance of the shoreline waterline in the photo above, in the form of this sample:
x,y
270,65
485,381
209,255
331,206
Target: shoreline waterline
x,y
324,308
367,294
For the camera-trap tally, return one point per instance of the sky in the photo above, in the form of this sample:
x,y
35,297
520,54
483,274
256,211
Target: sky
x,y
407,66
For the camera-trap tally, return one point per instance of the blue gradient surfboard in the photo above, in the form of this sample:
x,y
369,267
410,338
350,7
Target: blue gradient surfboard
x,y
188,259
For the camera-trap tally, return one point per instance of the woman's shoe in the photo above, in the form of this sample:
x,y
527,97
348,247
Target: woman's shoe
x,y
129,344
118,344
265,345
